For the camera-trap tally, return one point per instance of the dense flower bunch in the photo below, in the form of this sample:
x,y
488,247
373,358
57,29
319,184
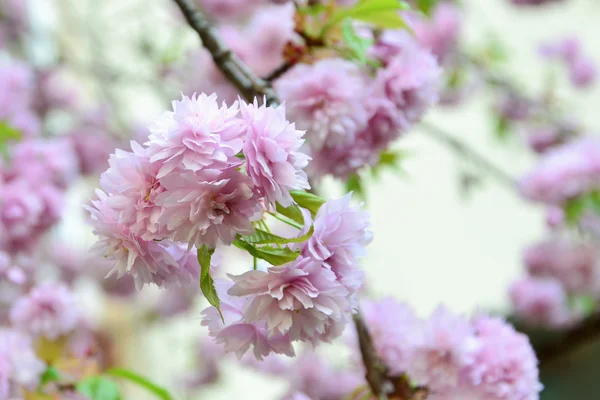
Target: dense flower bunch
x,y
209,175
455,357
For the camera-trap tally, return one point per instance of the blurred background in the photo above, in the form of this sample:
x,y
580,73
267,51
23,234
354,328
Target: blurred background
x,y
445,232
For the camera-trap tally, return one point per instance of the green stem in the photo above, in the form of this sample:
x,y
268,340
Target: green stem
x,y
286,220
131,376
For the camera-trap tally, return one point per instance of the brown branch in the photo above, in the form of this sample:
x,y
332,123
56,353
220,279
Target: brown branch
x,y
238,73
277,73
467,152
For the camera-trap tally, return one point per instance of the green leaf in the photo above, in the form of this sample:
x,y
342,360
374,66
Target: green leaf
x,y
426,6
272,255
381,13
307,200
99,388
7,134
293,212
354,184
583,304
51,374
574,209
502,128
139,380
357,45
207,284
263,237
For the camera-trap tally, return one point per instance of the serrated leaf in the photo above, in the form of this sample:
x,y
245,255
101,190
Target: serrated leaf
x,y
272,255
307,200
99,388
263,237
207,284
381,13
293,212
141,381
51,374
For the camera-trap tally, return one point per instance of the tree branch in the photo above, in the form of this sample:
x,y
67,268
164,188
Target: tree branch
x,y
463,150
238,73
570,341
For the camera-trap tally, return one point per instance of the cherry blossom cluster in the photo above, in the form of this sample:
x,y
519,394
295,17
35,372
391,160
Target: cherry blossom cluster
x,y
453,356
309,299
209,175
351,111
568,51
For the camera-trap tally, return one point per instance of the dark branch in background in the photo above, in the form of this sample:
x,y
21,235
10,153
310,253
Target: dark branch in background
x,y
282,69
250,87
570,341
463,150
238,73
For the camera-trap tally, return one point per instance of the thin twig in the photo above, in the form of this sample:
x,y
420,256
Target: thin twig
x,y
282,69
238,73
463,150
376,371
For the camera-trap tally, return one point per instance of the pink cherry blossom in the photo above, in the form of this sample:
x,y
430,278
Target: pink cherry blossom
x,y
92,146
542,301
505,365
209,206
325,99
583,72
49,310
195,135
448,346
238,335
564,172
340,235
147,261
19,366
133,185
301,299
272,150
395,329
228,9
575,265
411,81
17,87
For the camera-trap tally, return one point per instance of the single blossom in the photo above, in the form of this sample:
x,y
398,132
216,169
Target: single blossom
x,y
209,206
49,310
564,172
132,184
340,235
238,335
583,72
19,366
325,99
505,364
147,261
274,161
300,299
17,87
195,135
395,329
542,301
411,81
229,9
448,346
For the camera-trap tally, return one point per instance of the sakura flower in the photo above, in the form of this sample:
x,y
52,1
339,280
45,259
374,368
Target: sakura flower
x,y
45,160
209,206
133,185
340,235
393,327
147,261
19,366
448,346
574,265
273,159
411,82
542,301
228,9
582,72
301,299
92,146
238,335
505,365
195,135
564,172
325,99
21,210
440,33
49,310
17,87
